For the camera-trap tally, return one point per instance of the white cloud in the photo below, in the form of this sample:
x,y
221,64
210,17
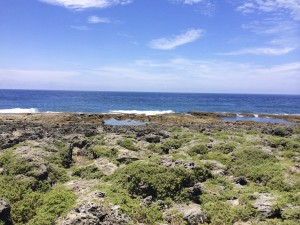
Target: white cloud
x,y
97,19
172,42
84,4
190,2
261,51
291,7
82,28
176,74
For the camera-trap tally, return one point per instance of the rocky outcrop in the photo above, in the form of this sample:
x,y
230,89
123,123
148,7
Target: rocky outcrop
x,y
5,212
191,213
105,166
94,214
264,204
169,162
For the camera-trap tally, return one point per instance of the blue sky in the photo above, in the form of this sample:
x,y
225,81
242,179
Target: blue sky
x,y
206,46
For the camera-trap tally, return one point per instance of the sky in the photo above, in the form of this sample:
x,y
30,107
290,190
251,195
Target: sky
x,y
202,46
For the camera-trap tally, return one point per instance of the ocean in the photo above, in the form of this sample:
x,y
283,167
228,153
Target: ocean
x,y
31,101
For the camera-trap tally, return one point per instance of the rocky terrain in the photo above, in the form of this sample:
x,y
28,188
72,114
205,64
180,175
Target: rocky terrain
x,y
73,169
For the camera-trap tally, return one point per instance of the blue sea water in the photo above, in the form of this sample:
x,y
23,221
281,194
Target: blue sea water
x,y
152,103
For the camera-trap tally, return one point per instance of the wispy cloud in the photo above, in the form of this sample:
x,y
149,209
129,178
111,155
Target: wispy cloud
x,y
205,7
82,28
84,4
189,2
97,19
291,7
261,51
175,74
167,43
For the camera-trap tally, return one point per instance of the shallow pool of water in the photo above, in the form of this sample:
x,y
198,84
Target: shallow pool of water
x,y
127,122
256,119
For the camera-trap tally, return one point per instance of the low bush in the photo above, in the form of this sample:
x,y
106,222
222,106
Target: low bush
x,y
132,206
100,151
52,205
225,148
171,144
89,172
12,165
128,143
158,181
198,149
280,131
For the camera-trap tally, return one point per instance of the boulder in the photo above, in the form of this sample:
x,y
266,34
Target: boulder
x,y
264,204
105,166
152,138
192,213
241,180
95,214
5,212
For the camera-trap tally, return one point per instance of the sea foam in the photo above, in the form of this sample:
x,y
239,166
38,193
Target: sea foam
x,y
147,113
19,110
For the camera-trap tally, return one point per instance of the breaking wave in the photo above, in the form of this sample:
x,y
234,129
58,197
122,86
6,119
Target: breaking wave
x,y
19,110
147,113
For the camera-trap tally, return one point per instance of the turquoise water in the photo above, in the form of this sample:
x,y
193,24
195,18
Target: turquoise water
x,y
256,119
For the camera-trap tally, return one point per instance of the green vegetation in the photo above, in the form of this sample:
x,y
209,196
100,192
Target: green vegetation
x,y
128,143
53,204
223,171
89,172
101,151
160,182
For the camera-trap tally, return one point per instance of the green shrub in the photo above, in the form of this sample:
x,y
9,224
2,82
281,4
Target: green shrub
x,y
128,143
52,205
219,213
131,206
277,142
256,165
198,149
12,165
21,196
171,144
225,148
89,172
158,181
100,151
63,156
280,131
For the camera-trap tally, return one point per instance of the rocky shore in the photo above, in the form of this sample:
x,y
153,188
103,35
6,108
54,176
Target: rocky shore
x,y
176,169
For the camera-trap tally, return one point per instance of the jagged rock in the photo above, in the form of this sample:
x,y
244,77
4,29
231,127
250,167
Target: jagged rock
x,y
192,213
105,166
241,180
42,172
161,204
4,212
195,191
95,214
152,139
124,155
147,201
174,163
264,204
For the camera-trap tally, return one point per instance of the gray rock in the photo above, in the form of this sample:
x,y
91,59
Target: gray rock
x,y
161,204
5,212
192,213
152,139
41,172
241,180
264,204
147,201
95,214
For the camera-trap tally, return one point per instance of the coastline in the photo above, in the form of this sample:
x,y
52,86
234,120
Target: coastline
x,y
177,169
